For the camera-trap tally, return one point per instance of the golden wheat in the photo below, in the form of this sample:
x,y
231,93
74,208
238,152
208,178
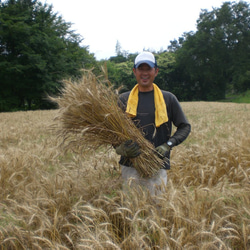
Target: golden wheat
x,y
89,117
55,200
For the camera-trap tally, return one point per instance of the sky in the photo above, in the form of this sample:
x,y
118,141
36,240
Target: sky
x,y
137,24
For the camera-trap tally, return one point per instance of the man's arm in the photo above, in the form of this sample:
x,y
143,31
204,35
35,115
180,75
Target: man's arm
x,y
181,134
179,120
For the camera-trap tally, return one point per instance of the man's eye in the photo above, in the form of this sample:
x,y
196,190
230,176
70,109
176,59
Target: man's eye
x,y
144,69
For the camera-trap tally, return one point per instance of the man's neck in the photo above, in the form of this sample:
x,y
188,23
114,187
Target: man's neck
x,y
146,88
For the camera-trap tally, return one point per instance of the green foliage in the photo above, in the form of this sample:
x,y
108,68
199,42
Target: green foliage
x,y
118,59
216,56
120,71
37,50
239,98
165,62
202,65
121,74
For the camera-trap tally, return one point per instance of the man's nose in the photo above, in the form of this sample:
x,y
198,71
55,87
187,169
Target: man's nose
x,y
145,70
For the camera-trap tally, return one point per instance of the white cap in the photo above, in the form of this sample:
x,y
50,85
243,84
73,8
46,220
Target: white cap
x,y
145,57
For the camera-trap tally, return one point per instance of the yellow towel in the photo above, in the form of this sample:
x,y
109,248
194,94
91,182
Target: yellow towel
x,y
161,115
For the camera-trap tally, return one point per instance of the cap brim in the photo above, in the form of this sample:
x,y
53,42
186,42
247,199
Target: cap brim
x,y
151,64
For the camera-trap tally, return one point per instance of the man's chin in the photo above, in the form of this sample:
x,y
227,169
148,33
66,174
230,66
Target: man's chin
x,y
145,83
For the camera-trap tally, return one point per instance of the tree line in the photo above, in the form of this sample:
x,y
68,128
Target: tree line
x,y
38,50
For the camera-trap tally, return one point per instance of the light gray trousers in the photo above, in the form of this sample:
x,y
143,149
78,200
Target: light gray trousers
x,y
155,185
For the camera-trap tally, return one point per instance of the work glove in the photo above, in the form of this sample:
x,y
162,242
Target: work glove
x,y
163,150
129,149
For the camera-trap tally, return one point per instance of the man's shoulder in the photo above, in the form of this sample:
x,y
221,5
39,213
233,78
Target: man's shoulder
x,y
124,95
123,99
167,93
169,98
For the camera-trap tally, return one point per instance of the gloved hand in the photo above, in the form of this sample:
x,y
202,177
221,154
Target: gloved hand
x,y
128,149
163,150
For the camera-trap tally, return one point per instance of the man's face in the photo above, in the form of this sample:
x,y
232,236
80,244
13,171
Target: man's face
x,y
145,76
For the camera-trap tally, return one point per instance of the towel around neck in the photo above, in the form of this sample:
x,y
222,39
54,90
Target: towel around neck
x,y
161,115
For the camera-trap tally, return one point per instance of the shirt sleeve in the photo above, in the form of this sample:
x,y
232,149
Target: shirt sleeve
x,y
123,99
178,119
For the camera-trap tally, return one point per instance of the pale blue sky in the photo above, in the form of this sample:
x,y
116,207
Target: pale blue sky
x,y
136,24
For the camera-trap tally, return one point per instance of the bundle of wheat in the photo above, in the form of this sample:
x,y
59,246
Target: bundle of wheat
x,y
90,117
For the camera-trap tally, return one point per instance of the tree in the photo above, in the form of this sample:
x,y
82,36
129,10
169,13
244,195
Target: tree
x,y
240,40
217,55
228,29
37,50
165,62
118,49
121,74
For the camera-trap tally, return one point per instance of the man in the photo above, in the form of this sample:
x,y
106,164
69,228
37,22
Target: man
x,y
154,111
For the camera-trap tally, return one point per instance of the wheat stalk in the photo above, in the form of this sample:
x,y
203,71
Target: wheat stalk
x,y
45,199
89,117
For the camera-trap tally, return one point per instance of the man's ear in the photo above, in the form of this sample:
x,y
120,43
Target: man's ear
x,y
134,70
156,71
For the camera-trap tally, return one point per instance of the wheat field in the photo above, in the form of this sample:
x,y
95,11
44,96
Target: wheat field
x,y
50,199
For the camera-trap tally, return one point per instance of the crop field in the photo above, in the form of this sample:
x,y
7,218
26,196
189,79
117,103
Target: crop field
x,y
52,199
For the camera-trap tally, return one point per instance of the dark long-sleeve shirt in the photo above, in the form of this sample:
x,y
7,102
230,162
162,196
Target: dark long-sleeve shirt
x,y
145,119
